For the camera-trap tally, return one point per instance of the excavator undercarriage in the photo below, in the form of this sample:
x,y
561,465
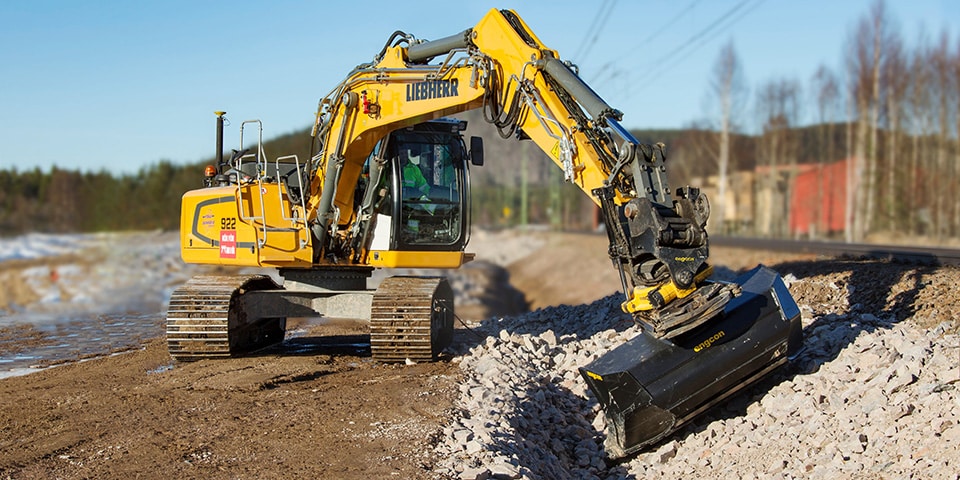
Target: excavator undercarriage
x,y
411,318
207,319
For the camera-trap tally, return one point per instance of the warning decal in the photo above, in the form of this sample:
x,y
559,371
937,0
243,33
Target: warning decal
x,y
228,244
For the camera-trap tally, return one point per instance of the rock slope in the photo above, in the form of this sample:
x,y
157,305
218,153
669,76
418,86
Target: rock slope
x,y
872,395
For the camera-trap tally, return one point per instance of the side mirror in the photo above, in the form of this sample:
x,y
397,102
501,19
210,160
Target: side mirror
x,y
476,151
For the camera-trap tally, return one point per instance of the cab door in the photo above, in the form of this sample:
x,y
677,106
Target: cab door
x,y
430,179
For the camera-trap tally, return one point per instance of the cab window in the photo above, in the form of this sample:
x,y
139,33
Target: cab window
x,y
431,177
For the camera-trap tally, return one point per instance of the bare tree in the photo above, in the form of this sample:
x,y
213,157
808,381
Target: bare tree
x,y
851,174
700,152
778,108
942,88
827,90
895,77
729,89
956,149
858,66
920,103
864,57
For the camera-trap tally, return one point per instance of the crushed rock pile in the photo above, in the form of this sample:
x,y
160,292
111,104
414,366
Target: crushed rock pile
x,y
872,395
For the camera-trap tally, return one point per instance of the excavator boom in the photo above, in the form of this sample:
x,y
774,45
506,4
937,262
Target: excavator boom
x,y
659,243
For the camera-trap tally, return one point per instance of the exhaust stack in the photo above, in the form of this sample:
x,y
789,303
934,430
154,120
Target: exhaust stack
x,y
220,140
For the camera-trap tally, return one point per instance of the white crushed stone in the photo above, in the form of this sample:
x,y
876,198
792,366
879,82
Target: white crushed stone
x,y
868,397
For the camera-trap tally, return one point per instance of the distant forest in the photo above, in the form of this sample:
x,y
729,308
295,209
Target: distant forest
x,y
65,201
60,201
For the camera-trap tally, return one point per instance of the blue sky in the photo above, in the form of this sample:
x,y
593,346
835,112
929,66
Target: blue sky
x,y
119,85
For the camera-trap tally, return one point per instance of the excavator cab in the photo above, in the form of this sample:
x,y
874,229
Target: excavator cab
x,y
425,199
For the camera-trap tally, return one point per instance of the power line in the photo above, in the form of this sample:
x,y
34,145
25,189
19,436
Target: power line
x,y
651,76
651,72
593,31
668,24
648,78
663,27
593,23
703,32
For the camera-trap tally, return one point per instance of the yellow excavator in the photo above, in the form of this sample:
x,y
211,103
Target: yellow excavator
x,y
388,186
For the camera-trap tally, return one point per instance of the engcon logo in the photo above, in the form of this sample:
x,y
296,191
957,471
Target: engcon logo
x,y
708,342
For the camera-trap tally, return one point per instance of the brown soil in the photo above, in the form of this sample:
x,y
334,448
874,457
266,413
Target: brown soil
x,y
313,409
317,407
570,269
18,338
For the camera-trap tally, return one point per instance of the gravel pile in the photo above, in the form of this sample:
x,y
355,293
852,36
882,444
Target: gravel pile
x,y
524,411
873,394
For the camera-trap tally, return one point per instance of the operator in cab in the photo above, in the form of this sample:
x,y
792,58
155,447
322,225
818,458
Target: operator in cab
x,y
412,175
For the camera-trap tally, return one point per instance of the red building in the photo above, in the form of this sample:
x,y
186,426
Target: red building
x,y
818,202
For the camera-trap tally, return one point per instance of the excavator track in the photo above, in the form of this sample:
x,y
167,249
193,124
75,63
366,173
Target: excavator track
x,y
206,319
411,319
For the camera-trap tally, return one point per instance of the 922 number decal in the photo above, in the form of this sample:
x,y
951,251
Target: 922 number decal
x,y
228,223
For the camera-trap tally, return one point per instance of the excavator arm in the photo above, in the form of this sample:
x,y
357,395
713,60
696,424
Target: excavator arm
x,y
657,237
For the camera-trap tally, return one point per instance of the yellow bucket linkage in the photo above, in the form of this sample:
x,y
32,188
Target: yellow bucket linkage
x,y
640,299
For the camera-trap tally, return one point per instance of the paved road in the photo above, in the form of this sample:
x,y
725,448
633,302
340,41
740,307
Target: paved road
x,y
899,253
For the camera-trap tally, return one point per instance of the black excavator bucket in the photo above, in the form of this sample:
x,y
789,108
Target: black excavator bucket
x,y
651,387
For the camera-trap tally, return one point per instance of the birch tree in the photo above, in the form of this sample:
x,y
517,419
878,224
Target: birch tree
x,y
865,53
729,89
895,76
826,89
920,110
778,106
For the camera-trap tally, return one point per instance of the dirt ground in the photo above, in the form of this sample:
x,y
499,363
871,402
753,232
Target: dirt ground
x,y
315,407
